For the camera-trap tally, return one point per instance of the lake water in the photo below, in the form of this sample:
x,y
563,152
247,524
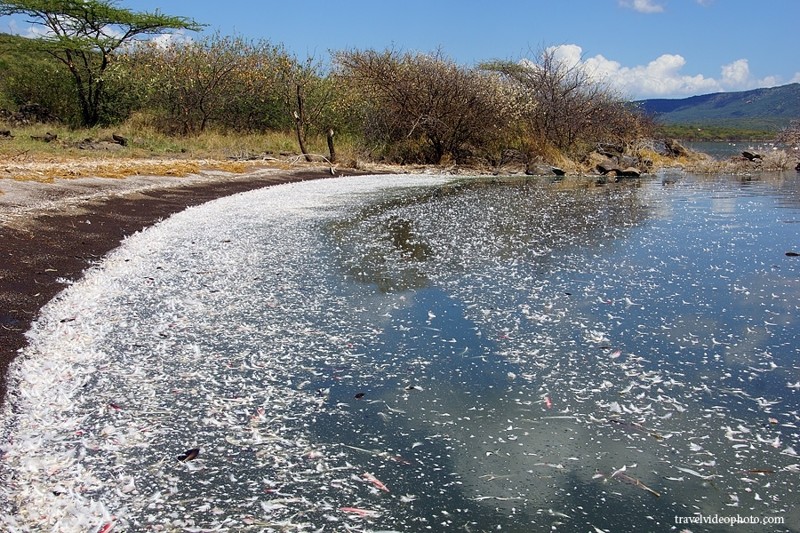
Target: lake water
x,y
418,353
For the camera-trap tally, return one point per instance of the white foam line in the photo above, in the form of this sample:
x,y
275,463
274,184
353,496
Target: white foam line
x,y
69,462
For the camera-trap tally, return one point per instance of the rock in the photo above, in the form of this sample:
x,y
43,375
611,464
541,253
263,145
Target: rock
x,y
751,156
629,172
607,167
104,145
47,137
558,171
538,169
119,139
675,149
6,134
797,167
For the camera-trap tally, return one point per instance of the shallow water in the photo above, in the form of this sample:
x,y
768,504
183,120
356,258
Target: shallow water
x,y
417,354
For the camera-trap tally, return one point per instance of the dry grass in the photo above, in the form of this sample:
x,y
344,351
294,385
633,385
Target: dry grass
x,y
47,171
146,153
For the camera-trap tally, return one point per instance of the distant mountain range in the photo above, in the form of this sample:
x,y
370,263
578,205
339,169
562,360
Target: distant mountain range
x,y
759,109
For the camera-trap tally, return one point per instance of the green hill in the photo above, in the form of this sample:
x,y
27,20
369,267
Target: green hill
x,y
760,109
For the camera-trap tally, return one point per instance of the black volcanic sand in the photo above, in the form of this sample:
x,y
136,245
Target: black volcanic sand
x,y
54,248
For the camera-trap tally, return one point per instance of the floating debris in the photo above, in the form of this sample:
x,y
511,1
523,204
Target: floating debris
x,y
106,528
630,480
375,481
189,455
760,471
366,513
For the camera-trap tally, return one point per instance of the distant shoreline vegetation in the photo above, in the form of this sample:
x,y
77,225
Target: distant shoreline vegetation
x,y
694,132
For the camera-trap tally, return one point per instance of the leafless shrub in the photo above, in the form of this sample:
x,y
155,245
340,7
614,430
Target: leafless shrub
x,y
790,136
564,107
425,107
776,160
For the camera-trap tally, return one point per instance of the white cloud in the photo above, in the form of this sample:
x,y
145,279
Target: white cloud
x,y
567,54
663,77
736,77
643,6
736,74
164,40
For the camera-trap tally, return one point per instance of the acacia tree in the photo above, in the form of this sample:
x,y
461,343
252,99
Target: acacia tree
x,y
84,35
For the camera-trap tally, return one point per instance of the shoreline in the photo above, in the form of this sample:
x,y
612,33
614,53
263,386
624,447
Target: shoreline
x,y
52,232
46,244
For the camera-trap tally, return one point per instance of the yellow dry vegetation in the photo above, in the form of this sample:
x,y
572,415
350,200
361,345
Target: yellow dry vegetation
x,y
46,171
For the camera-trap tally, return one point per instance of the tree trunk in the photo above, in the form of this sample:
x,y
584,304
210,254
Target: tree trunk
x,y
331,149
88,92
299,123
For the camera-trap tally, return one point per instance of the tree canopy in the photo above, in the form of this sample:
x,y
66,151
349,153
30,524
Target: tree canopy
x,y
85,34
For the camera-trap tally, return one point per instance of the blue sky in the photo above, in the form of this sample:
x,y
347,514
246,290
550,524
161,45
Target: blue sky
x,y
645,48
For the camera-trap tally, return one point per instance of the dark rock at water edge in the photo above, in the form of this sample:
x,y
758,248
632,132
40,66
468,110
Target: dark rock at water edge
x,y
543,169
674,148
610,169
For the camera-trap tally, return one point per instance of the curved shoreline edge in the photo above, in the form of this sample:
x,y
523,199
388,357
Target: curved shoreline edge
x,y
53,248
